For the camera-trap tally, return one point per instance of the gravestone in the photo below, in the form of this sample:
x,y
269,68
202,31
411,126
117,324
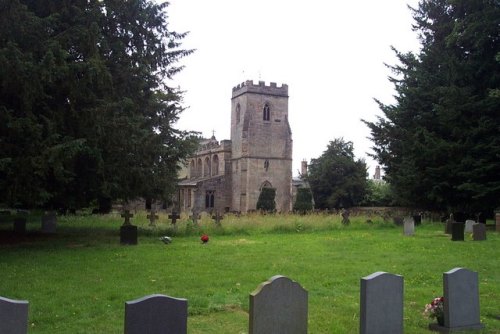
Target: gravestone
x,y
174,216
461,299
468,225
49,222
479,232
417,219
128,232
195,217
156,314
278,306
481,218
457,231
13,316
398,221
409,226
152,218
381,304
217,217
20,225
345,217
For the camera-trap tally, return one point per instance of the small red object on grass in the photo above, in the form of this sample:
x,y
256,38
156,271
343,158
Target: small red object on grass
x,y
204,238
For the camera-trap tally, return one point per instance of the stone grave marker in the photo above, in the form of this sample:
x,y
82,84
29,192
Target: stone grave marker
x,y
195,217
174,216
457,231
448,223
398,220
49,222
479,232
152,218
217,217
417,219
278,306
481,218
128,232
468,225
408,226
345,217
156,314
381,304
461,299
13,316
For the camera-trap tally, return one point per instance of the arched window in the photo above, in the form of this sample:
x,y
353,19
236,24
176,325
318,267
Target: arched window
x,y
266,184
199,166
192,169
238,113
206,167
266,113
215,165
209,199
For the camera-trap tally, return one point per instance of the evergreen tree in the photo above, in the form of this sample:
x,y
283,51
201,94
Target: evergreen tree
x,y
85,110
304,201
337,180
266,201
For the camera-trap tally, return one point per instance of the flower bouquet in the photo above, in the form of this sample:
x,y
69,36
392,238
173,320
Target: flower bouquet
x,y
436,310
204,238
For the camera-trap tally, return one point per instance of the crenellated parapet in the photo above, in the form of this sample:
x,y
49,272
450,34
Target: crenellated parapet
x,y
261,88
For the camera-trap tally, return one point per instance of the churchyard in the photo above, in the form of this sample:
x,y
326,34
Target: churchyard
x,y
77,277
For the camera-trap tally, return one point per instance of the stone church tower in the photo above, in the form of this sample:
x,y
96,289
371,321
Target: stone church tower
x,y
229,175
261,145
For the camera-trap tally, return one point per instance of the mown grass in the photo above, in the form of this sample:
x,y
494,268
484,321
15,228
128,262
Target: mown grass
x,y
78,280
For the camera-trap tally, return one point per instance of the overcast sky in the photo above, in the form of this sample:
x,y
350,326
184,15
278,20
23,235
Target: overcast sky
x,y
331,54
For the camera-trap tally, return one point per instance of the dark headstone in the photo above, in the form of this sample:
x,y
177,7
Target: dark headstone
x,y
278,306
398,221
128,234
156,314
481,218
20,225
417,219
457,231
217,217
127,215
479,232
174,216
49,222
381,304
345,217
13,316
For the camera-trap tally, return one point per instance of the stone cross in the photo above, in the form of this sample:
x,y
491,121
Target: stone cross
x,y
345,217
127,215
218,217
194,217
152,218
174,216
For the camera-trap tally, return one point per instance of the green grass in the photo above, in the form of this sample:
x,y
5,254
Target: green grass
x,y
78,280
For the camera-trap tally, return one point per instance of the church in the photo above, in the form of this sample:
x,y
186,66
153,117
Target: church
x,y
228,176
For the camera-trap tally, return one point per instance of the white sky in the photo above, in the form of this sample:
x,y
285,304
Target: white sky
x,y
330,53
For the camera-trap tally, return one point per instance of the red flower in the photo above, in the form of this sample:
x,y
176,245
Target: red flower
x,y
204,238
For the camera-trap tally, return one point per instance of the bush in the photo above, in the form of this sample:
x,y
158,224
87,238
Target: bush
x,y
266,200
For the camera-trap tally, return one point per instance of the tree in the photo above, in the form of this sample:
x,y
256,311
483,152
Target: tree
x,y
266,201
85,109
337,180
439,142
304,201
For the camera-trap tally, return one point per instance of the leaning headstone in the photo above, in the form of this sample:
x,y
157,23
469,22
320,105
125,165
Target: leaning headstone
x,y
468,225
461,299
20,225
156,314
381,304
278,306
128,232
479,232
457,231
409,226
13,316
49,222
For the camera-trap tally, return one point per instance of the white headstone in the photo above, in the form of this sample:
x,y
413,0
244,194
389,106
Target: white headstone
x,y
468,226
409,226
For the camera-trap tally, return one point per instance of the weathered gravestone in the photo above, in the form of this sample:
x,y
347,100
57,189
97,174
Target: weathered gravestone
x,y
448,223
156,314
457,231
417,219
345,217
381,304
468,225
461,301
49,222
278,306
479,232
217,217
152,218
409,226
13,316
195,217
128,232
174,216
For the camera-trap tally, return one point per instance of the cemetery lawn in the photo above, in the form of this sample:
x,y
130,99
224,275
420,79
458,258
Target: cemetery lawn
x,y
78,280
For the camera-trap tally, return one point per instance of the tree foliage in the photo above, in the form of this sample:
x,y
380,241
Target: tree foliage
x,y
337,179
439,142
85,109
266,201
304,201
